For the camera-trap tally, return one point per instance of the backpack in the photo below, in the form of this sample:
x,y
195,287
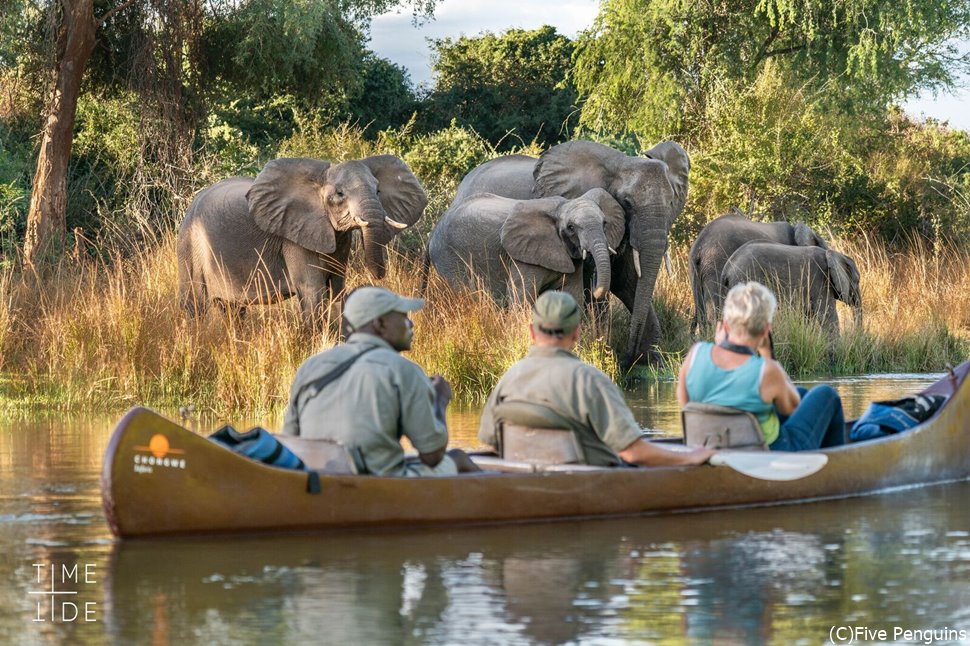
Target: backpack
x,y
889,417
258,444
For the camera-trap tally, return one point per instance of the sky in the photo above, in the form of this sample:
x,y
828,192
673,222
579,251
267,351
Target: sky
x,y
393,36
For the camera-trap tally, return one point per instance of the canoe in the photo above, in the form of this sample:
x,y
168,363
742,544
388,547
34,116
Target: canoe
x,y
159,479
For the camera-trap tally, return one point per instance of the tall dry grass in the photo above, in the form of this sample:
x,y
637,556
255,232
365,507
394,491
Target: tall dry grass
x,y
106,334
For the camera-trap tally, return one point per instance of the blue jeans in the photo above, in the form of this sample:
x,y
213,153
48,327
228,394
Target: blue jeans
x,y
817,422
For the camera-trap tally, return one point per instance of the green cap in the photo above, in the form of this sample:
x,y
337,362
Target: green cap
x,y
555,313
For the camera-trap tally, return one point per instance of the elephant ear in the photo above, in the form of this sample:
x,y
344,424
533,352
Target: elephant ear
x,y
573,168
805,236
839,275
401,193
678,168
614,220
285,200
529,235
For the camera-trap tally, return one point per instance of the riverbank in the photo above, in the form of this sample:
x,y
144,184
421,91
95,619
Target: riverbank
x,y
107,334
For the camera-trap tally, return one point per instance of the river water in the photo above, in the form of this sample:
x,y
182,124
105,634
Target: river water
x,y
801,574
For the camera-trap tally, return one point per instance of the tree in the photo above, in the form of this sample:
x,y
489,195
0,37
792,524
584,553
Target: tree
x,y
648,66
303,46
516,82
386,97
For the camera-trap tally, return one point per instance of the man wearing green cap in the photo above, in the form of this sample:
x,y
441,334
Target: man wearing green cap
x,y
552,376
365,395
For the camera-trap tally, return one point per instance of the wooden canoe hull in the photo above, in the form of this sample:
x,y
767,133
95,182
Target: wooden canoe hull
x,y
159,478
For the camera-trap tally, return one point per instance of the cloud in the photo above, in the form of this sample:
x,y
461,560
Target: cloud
x,y
395,38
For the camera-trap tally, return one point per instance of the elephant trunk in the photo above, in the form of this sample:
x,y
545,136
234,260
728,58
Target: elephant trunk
x,y
376,235
601,258
644,327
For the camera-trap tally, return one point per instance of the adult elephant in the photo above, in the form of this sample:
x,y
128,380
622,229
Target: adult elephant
x,y
721,238
651,190
521,248
812,278
289,231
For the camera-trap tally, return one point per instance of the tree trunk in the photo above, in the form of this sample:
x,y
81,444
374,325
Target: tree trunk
x,y
47,218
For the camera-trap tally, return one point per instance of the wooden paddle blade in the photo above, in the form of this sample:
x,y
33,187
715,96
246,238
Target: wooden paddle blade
x,y
771,465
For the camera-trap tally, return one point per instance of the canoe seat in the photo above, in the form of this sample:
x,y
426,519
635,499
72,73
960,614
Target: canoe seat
x,y
721,427
495,463
321,455
536,434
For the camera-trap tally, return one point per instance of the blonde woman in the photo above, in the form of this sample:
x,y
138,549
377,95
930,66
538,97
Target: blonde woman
x,y
738,370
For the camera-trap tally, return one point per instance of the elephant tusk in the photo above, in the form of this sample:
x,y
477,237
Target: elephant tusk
x,y
395,223
667,264
612,251
361,222
584,255
636,262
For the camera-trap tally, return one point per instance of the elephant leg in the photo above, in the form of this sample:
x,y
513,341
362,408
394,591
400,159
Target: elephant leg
x,y
307,275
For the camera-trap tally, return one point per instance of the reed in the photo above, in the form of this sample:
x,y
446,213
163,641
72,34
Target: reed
x,y
108,332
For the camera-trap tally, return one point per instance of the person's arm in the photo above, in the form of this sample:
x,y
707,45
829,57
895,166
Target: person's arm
x,y
420,422
777,387
291,419
486,423
647,454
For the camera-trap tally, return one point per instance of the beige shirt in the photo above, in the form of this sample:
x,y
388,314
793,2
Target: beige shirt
x,y
558,379
380,398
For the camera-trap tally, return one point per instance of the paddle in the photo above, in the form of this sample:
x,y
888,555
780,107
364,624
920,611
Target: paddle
x,y
771,465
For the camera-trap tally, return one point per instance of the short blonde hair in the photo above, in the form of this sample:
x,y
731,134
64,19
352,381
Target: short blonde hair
x,y
750,306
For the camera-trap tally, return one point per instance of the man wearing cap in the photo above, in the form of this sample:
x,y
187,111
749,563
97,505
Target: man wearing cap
x,y
551,375
378,395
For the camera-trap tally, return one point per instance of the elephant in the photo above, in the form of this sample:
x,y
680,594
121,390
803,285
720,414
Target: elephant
x,y
721,238
813,278
520,248
289,231
651,190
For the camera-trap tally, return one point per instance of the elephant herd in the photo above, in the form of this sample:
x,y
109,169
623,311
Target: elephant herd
x,y
582,217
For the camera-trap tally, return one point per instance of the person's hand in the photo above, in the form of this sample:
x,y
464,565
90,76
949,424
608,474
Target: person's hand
x,y
442,390
764,348
701,455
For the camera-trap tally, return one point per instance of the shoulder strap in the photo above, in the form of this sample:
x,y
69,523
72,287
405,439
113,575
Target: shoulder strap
x,y
318,384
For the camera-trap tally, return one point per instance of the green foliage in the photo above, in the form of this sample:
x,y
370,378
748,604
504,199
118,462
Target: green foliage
x,y
650,66
509,88
15,158
271,47
778,152
386,97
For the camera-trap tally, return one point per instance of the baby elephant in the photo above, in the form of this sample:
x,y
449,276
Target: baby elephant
x,y
810,277
517,249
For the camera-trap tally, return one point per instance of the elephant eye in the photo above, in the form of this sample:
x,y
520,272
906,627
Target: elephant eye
x,y
570,228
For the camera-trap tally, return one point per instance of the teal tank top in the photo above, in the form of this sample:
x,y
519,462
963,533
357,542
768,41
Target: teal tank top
x,y
737,388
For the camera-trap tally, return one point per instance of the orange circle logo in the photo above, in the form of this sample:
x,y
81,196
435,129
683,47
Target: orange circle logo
x,y
158,445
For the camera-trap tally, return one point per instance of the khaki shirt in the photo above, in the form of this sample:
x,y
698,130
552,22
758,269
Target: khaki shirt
x,y
578,391
381,397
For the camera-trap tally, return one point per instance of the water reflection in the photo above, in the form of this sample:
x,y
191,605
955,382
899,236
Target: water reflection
x,y
756,576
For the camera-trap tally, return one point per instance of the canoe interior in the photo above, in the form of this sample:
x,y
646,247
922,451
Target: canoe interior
x,y
159,478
